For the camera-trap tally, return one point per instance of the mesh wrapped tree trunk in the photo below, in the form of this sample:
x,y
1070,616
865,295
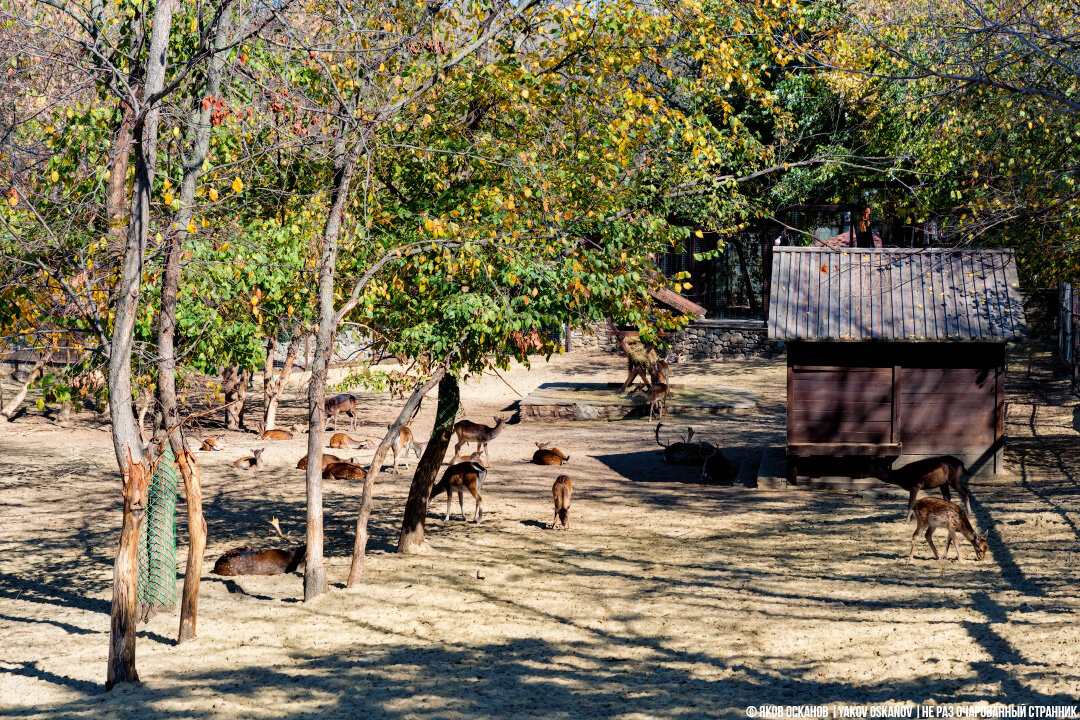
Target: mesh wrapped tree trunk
x,y
157,541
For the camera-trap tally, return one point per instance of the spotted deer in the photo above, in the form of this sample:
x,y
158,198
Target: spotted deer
x,y
344,403
403,443
931,514
327,459
942,472
341,441
459,478
276,435
655,396
547,455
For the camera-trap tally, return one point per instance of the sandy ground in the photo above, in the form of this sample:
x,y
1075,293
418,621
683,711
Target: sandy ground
x,y
666,599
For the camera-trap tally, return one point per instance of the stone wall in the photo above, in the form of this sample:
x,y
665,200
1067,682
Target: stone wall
x,y
724,340
592,337
1041,314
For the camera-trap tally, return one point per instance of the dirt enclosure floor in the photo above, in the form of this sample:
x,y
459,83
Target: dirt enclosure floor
x,y
665,599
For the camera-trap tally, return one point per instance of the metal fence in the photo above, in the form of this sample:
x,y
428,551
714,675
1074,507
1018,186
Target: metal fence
x,y
1069,330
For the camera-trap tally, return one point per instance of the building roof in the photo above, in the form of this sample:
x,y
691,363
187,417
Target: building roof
x,y
676,301
896,294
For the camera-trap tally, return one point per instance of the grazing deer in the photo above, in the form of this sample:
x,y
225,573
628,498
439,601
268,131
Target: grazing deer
x,y
470,432
344,471
459,478
213,444
344,403
403,442
943,472
547,455
254,462
562,491
327,459
656,396
931,514
692,454
276,435
341,441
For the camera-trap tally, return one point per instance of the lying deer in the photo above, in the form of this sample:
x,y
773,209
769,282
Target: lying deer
x,y
327,459
470,432
931,514
693,454
341,441
943,472
344,403
459,478
276,435
404,442
476,457
253,462
562,491
656,396
344,471
547,455
213,444
261,561
718,469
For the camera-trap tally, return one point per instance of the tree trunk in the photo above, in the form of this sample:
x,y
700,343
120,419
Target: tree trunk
x,y
412,524
126,441
189,602
274,388
35,374
235,386
407,413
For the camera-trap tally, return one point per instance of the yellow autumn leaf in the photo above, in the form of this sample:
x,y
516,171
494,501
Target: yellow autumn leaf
x,y
191,228
697,233
166,185
205,223
13,200
176,132
54,176
168,198
213,194
237,185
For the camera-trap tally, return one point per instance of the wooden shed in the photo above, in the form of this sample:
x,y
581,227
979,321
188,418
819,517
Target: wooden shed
x,y
896,353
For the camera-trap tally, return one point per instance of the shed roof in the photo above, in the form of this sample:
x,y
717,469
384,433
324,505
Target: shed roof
x,y
896,294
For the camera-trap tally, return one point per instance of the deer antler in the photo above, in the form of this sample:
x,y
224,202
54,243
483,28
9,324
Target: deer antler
x,y
277,528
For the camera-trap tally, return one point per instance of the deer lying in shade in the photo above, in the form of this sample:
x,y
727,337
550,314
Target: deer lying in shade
x,y
937,472
931,514
341,441
261,561
327,460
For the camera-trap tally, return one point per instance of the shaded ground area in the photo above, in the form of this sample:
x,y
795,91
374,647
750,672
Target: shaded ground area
x,y
666,599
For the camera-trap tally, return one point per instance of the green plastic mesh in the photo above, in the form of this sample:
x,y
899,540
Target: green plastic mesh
x,y
157,544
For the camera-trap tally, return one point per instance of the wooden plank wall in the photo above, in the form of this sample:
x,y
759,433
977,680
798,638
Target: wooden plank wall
x,y
840,405
948,410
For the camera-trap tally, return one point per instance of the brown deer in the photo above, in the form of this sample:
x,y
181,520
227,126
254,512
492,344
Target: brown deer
x,y
344,471
547,455
470,432
931,514
277,435
937,472
341,441
253,462
562,491
403,443
344,403
327,459
718,469
459,478
476,457
659,372
213,444
656,396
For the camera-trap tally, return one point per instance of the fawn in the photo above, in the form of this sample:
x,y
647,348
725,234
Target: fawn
x,y
344,471
459,478
931,514
562,491
344,403
470,432
253,462
656,396
943,472
211,444
327,459
476,457
547,455
276,435
659,372
341,441
404,442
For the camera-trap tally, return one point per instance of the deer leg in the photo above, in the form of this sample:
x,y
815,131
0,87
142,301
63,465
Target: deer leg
x,y
955,542
930,541
914,539
478,514
352,421
457,448
449,500
966,495
945,493
948,542
911,504
482,447
461,504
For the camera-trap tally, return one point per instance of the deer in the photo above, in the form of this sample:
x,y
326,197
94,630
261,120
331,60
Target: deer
x,y
547,455
213,444
470,432
253,462
931,514
944,472
276,434
476,457
717,469
341,441
458,478
692,454
327,459
659,372
656,396
562,491
344,403
344,471
261,561
403,442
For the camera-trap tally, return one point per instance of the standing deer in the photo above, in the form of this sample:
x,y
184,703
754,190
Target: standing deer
x,y
403,442
253,462
562,491
944,472
931,514
547,455
470,432
656,396
344,403
459,478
